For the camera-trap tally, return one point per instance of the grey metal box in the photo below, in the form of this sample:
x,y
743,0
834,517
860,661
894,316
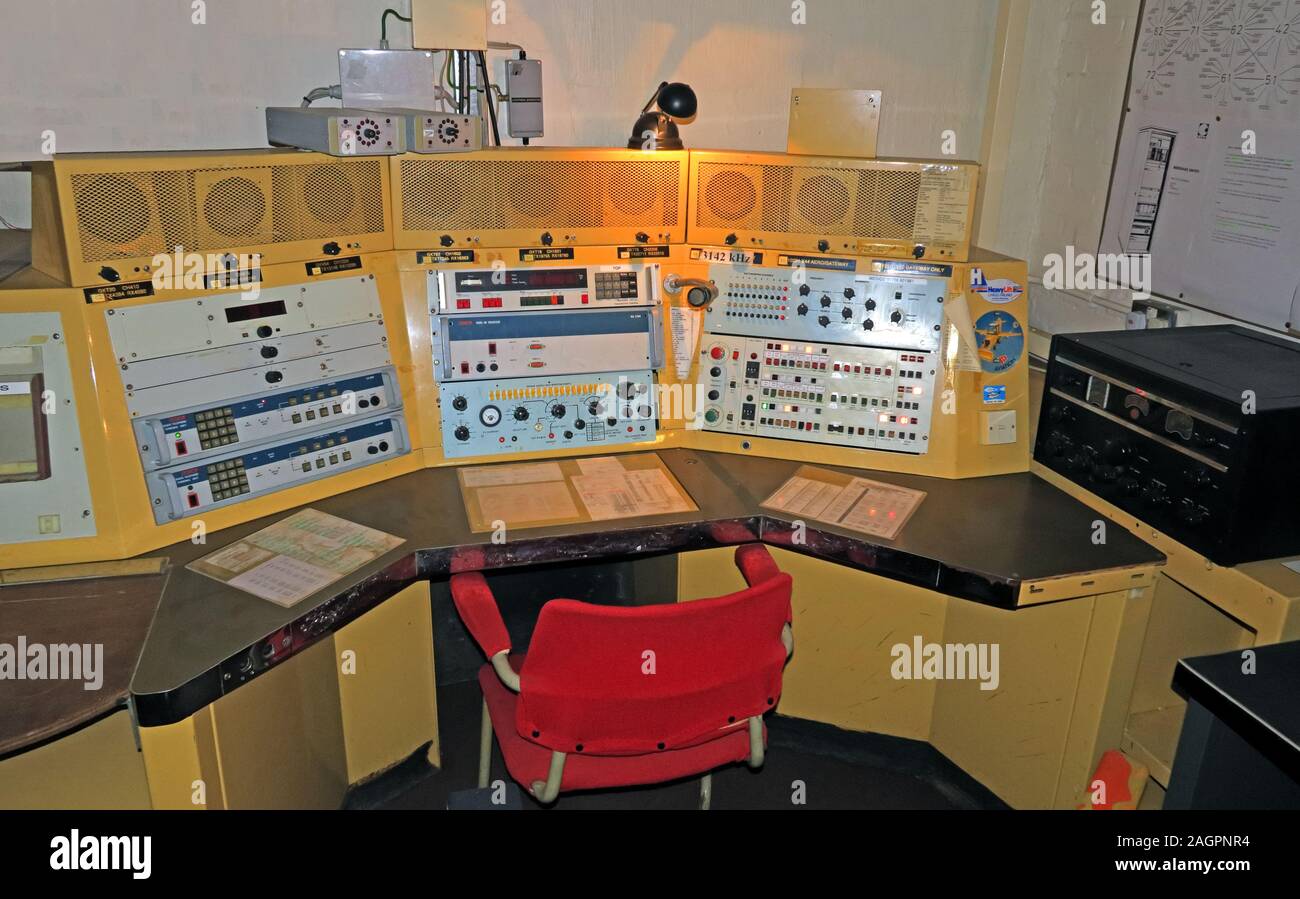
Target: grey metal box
x,y
338,131
430,131
524,87
388,79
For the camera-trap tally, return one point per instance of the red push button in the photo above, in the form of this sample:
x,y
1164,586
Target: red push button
x,y
717,352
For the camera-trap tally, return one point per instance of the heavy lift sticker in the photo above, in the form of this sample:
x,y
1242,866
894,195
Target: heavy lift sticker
x,y
999,290
545,254
110,292
641,251
329,266
443,257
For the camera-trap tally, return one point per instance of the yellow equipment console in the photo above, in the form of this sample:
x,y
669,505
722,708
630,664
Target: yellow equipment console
x,y
225,405
104,218
831,204
896,365
539,197
551,357
56,481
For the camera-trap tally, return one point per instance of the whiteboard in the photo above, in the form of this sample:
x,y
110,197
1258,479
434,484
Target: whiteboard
x,y
1219,216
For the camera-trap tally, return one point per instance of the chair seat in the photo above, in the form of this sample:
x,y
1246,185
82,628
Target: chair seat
x,y
528,762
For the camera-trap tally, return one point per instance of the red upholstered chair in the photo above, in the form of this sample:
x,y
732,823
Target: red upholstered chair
x,y
615,696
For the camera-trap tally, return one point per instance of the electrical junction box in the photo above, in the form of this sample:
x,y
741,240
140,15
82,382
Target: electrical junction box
x,y
524,88
388,79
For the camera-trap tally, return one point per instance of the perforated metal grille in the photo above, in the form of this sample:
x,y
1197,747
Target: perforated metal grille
x,y
824,201
729,195
807,200
235,207
887,205
122,215
115,215
449,194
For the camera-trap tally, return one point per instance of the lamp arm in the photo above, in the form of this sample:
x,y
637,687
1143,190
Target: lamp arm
x,y
654,98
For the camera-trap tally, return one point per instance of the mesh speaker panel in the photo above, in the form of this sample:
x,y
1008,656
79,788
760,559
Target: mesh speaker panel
x,y
798,199
448,194
127,214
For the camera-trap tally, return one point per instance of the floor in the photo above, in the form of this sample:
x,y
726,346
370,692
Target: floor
x,y
808,765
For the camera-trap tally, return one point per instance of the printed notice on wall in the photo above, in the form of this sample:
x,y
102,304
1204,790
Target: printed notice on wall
x,y
295,557
1207,175
856,504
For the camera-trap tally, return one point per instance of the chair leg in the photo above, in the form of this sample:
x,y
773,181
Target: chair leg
x,y
706,791
547,791
756,747
485,748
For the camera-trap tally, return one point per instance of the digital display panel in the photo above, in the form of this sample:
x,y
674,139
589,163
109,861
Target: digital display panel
x,y
522,279
254,310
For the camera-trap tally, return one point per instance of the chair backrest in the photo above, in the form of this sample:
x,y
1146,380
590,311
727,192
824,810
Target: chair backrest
x,y
606,680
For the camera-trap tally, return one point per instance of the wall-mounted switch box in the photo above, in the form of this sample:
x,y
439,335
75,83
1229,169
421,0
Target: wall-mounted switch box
x,y
524,87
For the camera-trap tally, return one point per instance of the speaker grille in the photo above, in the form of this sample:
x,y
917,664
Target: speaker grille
x,y
448,194
129,214
115,216
862,203
235,207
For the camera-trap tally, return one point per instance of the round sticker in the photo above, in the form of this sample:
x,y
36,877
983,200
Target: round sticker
x,y
1002,341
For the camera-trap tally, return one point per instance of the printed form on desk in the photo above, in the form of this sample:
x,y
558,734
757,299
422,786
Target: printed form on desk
x,y
570,491
290,560
856,504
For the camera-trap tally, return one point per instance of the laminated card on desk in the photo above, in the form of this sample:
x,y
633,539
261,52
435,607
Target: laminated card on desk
x,y
570,491
290,560
855,504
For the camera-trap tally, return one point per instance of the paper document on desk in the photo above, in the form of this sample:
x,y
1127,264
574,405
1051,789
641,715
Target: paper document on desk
x,y
628,494
290,560
857,504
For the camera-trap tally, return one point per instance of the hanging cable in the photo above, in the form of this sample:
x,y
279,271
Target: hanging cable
x,y
383,26
487,95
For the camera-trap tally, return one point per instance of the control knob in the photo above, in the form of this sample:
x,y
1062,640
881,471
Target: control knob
x,y
558,410
804,290
868,325
521,414
846,313
462,433
460,404
849,293
823,320
896,316
803,309
1153,494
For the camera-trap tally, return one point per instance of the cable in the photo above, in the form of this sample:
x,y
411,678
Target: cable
x,y
492,107
383,26
320,93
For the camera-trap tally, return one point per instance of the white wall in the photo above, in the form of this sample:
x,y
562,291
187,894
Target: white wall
x,y
138,75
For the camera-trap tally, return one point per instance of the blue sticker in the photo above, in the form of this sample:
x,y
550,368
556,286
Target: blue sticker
x,y
995,394
1001,339
999,290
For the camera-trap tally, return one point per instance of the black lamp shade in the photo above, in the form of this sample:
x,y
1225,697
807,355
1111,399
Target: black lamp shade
x,y
678,100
